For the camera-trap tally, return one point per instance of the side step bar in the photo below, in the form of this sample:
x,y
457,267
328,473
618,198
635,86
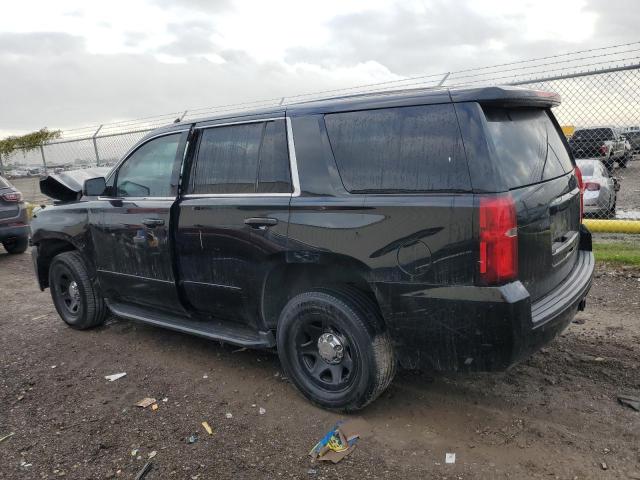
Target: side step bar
x,y
213,330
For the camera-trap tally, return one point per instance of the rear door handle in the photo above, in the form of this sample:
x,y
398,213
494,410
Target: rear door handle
x,y
260,222
153,222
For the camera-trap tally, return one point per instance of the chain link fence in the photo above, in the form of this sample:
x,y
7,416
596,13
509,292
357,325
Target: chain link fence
x,y
599,114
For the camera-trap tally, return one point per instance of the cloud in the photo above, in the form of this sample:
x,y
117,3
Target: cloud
x,y
192,38
76,88
40,43
209,6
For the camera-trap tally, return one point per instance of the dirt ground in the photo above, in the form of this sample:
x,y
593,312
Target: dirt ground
x,y
554,416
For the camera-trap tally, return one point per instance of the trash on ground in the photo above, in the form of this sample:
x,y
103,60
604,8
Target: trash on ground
x,y
152,454
143,471
339,442
115,376
24,464
604,466
450,458
629,401
154,407
192,438
228,415
262,411
39,317
207,427
145,402
134,452
165,399
7,436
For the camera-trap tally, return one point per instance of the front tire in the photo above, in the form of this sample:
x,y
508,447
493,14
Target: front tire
x,y
74,294
16,246
332,346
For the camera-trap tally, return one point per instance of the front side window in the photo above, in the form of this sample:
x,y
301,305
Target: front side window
x,y
244,158
149,170
395,150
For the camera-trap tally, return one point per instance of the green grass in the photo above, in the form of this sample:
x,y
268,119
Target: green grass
x,y
621,253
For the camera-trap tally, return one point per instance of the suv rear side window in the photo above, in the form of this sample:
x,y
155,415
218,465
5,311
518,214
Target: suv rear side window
x,y
244,158
527,144
405,149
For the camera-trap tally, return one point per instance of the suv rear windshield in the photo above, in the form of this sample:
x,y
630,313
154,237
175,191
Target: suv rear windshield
x,y
527,145
395,150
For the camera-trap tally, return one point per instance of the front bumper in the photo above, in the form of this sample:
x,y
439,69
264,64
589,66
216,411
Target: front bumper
x,y
480,328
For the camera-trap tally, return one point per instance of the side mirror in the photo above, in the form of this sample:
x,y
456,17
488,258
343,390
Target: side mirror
x,y
94,187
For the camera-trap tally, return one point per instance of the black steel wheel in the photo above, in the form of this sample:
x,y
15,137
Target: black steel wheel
x,y
73,292
333,346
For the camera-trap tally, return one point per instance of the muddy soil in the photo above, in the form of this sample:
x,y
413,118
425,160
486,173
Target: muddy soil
x,y
554,416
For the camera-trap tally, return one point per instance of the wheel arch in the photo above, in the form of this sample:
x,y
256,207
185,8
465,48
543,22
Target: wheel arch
x,y
289,278
48,247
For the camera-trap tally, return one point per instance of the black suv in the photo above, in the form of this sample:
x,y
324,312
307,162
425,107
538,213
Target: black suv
x,y
422,228
14,219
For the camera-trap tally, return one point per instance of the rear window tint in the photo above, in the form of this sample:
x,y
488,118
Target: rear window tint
x,y
243,158
407,149
527,144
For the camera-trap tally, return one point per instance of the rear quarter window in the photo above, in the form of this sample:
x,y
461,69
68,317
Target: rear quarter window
x,y
406,149
527,145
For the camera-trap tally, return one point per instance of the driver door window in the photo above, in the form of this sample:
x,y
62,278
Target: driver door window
x,y
151,171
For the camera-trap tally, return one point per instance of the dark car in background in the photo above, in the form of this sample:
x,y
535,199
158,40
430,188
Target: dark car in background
x,y
604,143
421,228
633,137
14,219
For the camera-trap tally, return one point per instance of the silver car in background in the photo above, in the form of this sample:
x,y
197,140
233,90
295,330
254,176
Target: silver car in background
x,y
600,189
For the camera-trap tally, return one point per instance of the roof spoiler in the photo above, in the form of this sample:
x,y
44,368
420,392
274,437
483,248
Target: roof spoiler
x,y
507,97
67,186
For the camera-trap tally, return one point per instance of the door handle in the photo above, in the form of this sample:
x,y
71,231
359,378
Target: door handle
x,y
153,222
260,222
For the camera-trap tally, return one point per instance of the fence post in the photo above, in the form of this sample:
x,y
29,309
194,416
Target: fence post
x,y
44,161
444,79
95,146
1,166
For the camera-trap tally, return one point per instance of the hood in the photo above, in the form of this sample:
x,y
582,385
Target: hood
x,y
67,186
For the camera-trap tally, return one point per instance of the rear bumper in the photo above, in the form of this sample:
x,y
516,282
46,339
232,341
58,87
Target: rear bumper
x,y
10,232
480,328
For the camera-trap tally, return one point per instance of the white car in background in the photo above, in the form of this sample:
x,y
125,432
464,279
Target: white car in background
x,y
600,189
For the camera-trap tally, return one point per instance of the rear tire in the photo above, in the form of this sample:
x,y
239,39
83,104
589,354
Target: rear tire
x,y
18,245
76,298
331,345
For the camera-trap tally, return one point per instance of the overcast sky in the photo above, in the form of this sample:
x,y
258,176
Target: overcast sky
x,y
70,63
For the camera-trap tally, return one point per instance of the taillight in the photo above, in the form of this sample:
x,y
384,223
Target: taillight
x,y
498,240
12,197
603,150
591,186
578,175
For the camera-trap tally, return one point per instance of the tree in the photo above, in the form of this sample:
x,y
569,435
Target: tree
x,y
26,143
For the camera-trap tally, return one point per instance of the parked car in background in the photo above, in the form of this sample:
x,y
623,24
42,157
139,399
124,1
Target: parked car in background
x,y
600,189
633,137
421,228
603,142
14,219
